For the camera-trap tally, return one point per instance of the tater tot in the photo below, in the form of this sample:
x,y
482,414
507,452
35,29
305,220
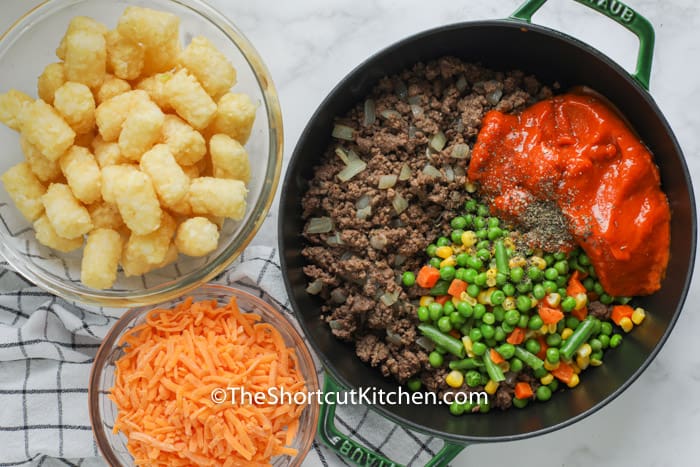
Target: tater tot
x,y
197,237
45,169
141,130
86,57
218,197
155,87
105,216
124,56
158,31
151,248
107,154
101,259
46,130
11,105
69,218
110,178
76,24
168,179
111,87
25,189
209,66
110,114
235,116
51,79
76,104
186,144
138,203
47,236
181,208
229,159
190,100
83,174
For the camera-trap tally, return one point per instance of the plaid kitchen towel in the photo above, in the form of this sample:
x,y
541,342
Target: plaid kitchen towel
x,y
46,349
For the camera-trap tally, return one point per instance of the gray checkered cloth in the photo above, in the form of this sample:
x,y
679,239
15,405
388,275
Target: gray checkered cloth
x,y
46,349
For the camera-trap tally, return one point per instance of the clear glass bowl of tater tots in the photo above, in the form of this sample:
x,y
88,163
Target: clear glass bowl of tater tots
x,y
30,45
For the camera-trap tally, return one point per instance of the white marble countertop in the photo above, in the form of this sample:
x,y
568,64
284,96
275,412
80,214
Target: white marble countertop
x,y
309,45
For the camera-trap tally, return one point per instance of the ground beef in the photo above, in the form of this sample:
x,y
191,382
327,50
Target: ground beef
x,y
360,262
599,310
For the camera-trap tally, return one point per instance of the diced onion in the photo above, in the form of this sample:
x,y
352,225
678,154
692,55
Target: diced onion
x,y
414,100
470,187
416,110
335,240
354,167
392,337
378,241
343,132
431,171
387,181
459,171
319,225
438,141
449,173
314,288
340,152
493,97
338,296
425,343
400,204
411,131
461,83
364,213
363,202
401,90
460,151
405,173
399,260
389,298
388,114
370,113
335,324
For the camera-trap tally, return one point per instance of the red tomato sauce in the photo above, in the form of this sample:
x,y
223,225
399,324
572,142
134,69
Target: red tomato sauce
x,y
576,151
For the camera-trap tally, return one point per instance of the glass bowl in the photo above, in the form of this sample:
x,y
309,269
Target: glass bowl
x,y
103,412
29,45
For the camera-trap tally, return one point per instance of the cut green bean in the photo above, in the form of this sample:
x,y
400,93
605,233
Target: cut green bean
x,y
494,371
465,364
501,257
582,333
452,345
532,360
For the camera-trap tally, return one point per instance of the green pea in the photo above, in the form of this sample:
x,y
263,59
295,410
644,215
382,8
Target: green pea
x,y
543,393
535,322
423,313
516,274
500,334
479,310
534,273
464,309
551,274
524,287
523,303
615,340
456,409
444,324
598,288
497,297
483,254
595,344
606,328
604,341
494,233
549,259
408,278
552,355
482,210
553,340
501,279
588,283
473,290
512,317
484,407
435,359
474,263
475,335
493,222
572,322
460,274
507,327
540,372
481,234
568,303
473,378
470,275
480,279
469,218
413,384
623,300
509,289
561,325
532,346
488,318
538,291
462,259
562,267
606,299
435,310
435,262
488,331
559,256
447,273
458,223
448,308
549,286
584,260
523,321
519,403
561,291
443,241
479,348
456,236
498,312
516,365
470,205
456,320
464,330
479,223
506,350
597,355
560,281
431,249
596,327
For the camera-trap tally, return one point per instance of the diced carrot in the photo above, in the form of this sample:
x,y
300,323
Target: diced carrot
x,y
523,390
442,299
621,311
575,286
543,347
457,287
580,314
517,336
563,372
173,362
548,314
496,357
427,277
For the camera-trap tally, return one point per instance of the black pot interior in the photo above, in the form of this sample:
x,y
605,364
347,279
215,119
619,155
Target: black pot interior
x,y
551,56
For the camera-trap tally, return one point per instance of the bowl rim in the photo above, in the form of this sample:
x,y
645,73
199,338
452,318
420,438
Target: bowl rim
x,y
287,328
173,288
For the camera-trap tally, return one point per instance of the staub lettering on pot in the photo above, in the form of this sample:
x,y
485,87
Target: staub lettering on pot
x,y
361,456
619,9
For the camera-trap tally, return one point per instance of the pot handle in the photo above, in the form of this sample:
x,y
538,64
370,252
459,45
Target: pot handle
x,y
354,452
620,13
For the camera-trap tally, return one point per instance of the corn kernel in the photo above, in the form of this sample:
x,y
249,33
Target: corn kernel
x,y
491,387
576,368
583,362
626,324
581,301
533,301
553,299
544,329
426,300
585,350
508,243
443,252
538,262
517,261
454,379
484,297
596,362
465,297
468,238
491,277
573,382
547,379
467,342
638,315
449,261
550,366
470,186
552,328
508,303
566,333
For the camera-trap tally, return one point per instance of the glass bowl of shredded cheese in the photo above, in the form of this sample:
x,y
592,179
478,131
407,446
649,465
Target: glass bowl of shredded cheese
x,y
45,237
217,377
